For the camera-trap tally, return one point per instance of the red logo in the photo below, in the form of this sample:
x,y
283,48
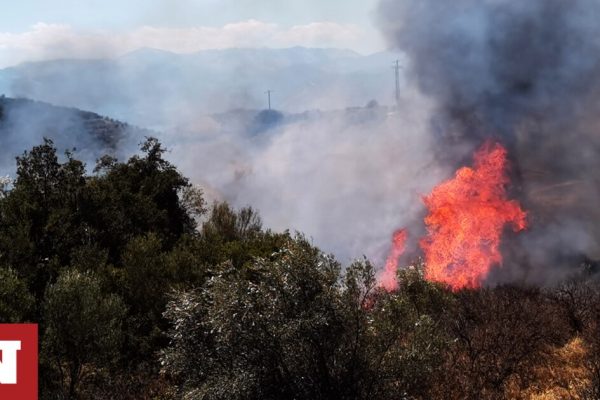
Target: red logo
x,y
19,361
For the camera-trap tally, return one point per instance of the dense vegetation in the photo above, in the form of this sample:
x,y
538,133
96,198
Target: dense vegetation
x,y
142,291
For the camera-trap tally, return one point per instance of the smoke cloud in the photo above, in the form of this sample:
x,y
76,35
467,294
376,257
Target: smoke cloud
x,y
527,74
347,179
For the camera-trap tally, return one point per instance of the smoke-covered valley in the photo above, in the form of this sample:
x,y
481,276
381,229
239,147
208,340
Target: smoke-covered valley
x,y
158,89
344,175
345,178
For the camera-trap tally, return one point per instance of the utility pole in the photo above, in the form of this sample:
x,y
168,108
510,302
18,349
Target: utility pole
x,y
397,68
268,92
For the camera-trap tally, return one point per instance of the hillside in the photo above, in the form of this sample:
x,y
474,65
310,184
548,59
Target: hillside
x,y
24,123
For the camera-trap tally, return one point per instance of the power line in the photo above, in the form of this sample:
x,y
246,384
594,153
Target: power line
x,y
268,92
397,68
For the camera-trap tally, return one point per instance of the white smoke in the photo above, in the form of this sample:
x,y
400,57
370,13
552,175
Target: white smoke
x,y
347,179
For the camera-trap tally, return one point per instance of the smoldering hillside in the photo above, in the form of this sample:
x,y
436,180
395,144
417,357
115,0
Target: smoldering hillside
x,y
527,74
25,123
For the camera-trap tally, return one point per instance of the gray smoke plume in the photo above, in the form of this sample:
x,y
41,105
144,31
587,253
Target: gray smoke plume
x,y
526,73
347,179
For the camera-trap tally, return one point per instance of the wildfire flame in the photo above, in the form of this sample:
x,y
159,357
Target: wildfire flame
x,y
467,215
388,277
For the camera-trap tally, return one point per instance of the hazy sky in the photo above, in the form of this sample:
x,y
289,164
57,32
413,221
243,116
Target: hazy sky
x,y
44,29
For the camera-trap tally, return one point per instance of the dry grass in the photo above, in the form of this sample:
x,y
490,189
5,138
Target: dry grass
x,y
562,376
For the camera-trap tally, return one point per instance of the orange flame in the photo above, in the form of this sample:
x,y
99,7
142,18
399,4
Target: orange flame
x,y
467,215
388,279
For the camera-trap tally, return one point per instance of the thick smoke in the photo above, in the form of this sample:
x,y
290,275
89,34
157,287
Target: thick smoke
x,y
528,74
347,179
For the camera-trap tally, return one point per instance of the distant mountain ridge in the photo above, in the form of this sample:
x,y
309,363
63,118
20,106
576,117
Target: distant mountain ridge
x,y
291,54
157,88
